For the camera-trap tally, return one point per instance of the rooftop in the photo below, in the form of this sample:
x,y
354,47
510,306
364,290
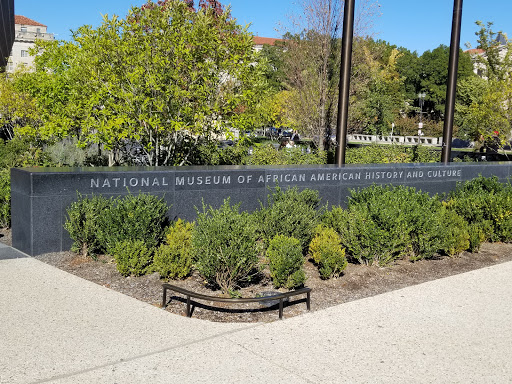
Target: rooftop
x,y
265,40
18,19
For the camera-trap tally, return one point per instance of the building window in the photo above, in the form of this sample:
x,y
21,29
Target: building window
x,y
23,29
38,30
24,53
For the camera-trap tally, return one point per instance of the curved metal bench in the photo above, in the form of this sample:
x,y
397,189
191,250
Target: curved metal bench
x,y
280,297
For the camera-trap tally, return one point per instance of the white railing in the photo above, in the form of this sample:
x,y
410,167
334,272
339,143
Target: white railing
x,y
412,140
33,36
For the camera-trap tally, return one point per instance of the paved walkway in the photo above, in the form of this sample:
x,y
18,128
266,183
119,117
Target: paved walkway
x,y
59,328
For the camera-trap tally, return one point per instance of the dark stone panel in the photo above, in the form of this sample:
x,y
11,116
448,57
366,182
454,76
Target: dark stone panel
x,y
21,222
8,253
223,179
501,170
186,203
47,225
102,182
21,181
328,194
40,195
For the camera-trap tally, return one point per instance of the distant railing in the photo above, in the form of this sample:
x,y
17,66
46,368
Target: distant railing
x,y
411,140
33,36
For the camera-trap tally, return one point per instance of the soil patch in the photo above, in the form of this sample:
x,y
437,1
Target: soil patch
x,y
357,282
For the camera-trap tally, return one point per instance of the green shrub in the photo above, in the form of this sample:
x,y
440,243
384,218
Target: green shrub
x,y
365,241
375,153
286,262
21,153
327,252
384,223
269,155
224,246
174,258
209,153
477,235
486,205
290,213
455,236
133,257
68,153
5,198
84,223
264,155
141,217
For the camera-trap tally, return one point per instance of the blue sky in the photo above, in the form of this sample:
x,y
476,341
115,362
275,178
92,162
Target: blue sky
x,y
416,25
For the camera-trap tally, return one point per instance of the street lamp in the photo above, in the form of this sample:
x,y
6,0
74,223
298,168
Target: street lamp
x,y
421,99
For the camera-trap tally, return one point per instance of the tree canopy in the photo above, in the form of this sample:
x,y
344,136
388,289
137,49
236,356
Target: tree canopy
x,y
159,80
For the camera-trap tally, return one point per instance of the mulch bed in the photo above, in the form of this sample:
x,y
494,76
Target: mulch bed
x,y
358,281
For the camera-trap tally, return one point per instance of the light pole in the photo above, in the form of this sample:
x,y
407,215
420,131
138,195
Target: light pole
x,y
346,63
452,82
421,99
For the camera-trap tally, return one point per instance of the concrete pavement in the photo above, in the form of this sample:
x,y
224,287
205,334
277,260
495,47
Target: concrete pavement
x,y
58,328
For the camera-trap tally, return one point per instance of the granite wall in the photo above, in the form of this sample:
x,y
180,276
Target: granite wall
x,y
40,196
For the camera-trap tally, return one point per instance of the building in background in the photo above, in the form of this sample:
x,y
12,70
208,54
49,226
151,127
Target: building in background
x,y
6,30
259,42
26,32
501,43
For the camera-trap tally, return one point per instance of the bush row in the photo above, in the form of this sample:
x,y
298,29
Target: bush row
x,y
230,248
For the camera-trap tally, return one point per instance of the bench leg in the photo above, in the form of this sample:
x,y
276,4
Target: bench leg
x,y
164,298
188,307
308,301
280,309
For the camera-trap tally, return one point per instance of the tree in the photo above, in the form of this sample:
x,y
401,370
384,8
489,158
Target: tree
x,y
408,66
161,80
496,61
434,77
488,118
378,90
17,110
312,63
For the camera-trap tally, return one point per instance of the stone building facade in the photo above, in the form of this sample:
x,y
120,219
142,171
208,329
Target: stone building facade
x,y
27,31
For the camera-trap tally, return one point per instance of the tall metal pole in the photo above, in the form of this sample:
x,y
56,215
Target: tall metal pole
x,y
346,63
452,82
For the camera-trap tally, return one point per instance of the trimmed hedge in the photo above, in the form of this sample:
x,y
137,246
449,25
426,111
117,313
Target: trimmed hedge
x,y
286,262
224,246
381,224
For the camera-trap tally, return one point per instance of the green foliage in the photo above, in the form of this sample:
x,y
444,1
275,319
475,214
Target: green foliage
x,y
265,155
434,76
286,262
68,153
224,246
209,153
486,108
455,237
141,217
84,223
486,205
391,154
268,155
173,259
20,152
327,252
382,98
290,213
162,78
133,257
5,198
384,223
17,110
